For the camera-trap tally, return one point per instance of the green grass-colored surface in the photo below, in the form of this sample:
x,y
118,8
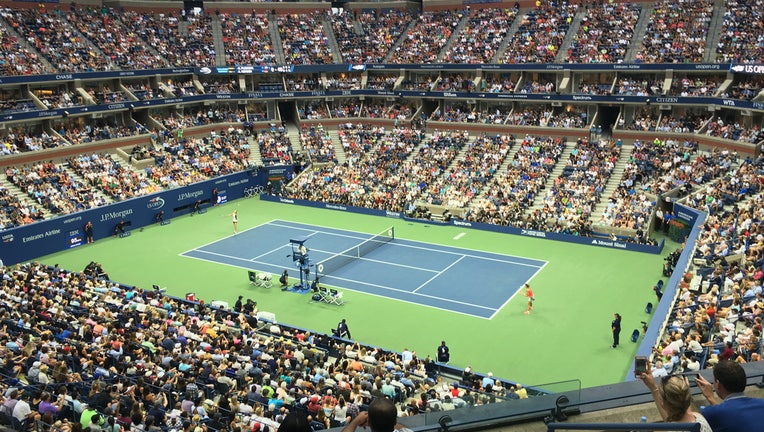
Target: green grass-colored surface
x,y
566,337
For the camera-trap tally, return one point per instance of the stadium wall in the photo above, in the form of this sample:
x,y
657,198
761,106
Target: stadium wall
x,y
594,241
662,311
28,242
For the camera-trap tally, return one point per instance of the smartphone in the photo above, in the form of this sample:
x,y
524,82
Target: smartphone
x,y
640,365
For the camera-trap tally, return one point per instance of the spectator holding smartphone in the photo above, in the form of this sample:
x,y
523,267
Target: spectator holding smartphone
x,y
672,398
736,411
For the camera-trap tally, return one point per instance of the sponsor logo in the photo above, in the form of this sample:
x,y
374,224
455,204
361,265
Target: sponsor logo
x,y
124,234
74,233
392,214
47,113
116,106
187,195
290,94
728,102
532,233
447,94
552,66
238,182
64,77
223,96
255,95
582,97
709,66
115,215
462,223
72,219
127,73
336,207
286,200
164,222
667,100
609,243
40,235
205,70
631,66
7,238
155,203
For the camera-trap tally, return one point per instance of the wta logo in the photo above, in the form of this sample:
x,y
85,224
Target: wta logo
x,y
155,203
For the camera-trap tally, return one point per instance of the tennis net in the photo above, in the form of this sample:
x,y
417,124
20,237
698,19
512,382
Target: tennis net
x,y
345,257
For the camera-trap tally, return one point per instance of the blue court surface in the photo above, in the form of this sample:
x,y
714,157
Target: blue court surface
x,y
464,281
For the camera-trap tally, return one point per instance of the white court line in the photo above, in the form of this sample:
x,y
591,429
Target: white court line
x,y
437,244
516,292
229,236
460,235
408,292
358,282
436,275
429,249
274,250
333,254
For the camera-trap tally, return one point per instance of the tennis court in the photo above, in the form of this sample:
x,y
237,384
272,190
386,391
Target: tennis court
x,y
464,281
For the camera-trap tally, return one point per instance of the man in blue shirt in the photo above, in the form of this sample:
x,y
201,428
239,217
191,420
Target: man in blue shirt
x,y
736,412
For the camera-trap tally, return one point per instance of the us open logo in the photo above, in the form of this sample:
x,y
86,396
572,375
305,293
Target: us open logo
x,y
155,203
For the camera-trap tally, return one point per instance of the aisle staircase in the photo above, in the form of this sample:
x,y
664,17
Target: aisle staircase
x,y
538,202
614,181
640,29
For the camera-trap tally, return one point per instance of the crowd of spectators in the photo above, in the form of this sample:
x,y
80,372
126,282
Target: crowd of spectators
x,y
541,33
676,32
454,82
221,153
509,194
605,33
594,87
20,139
682,123
108,175
104,94
313,110
343,81
303,82
735,131
481,36
378,32
82,352
423,42
638,86
678,165
246,39
184,40
717,314
78,133
371,175
744,87
303,39
398,111
13,212
424,174
111,33
568,204
736,185
275,146
54,98
53,187
54,34
317,142
739,41
469,174
697,86
17,59
499,83
344,108
381,81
